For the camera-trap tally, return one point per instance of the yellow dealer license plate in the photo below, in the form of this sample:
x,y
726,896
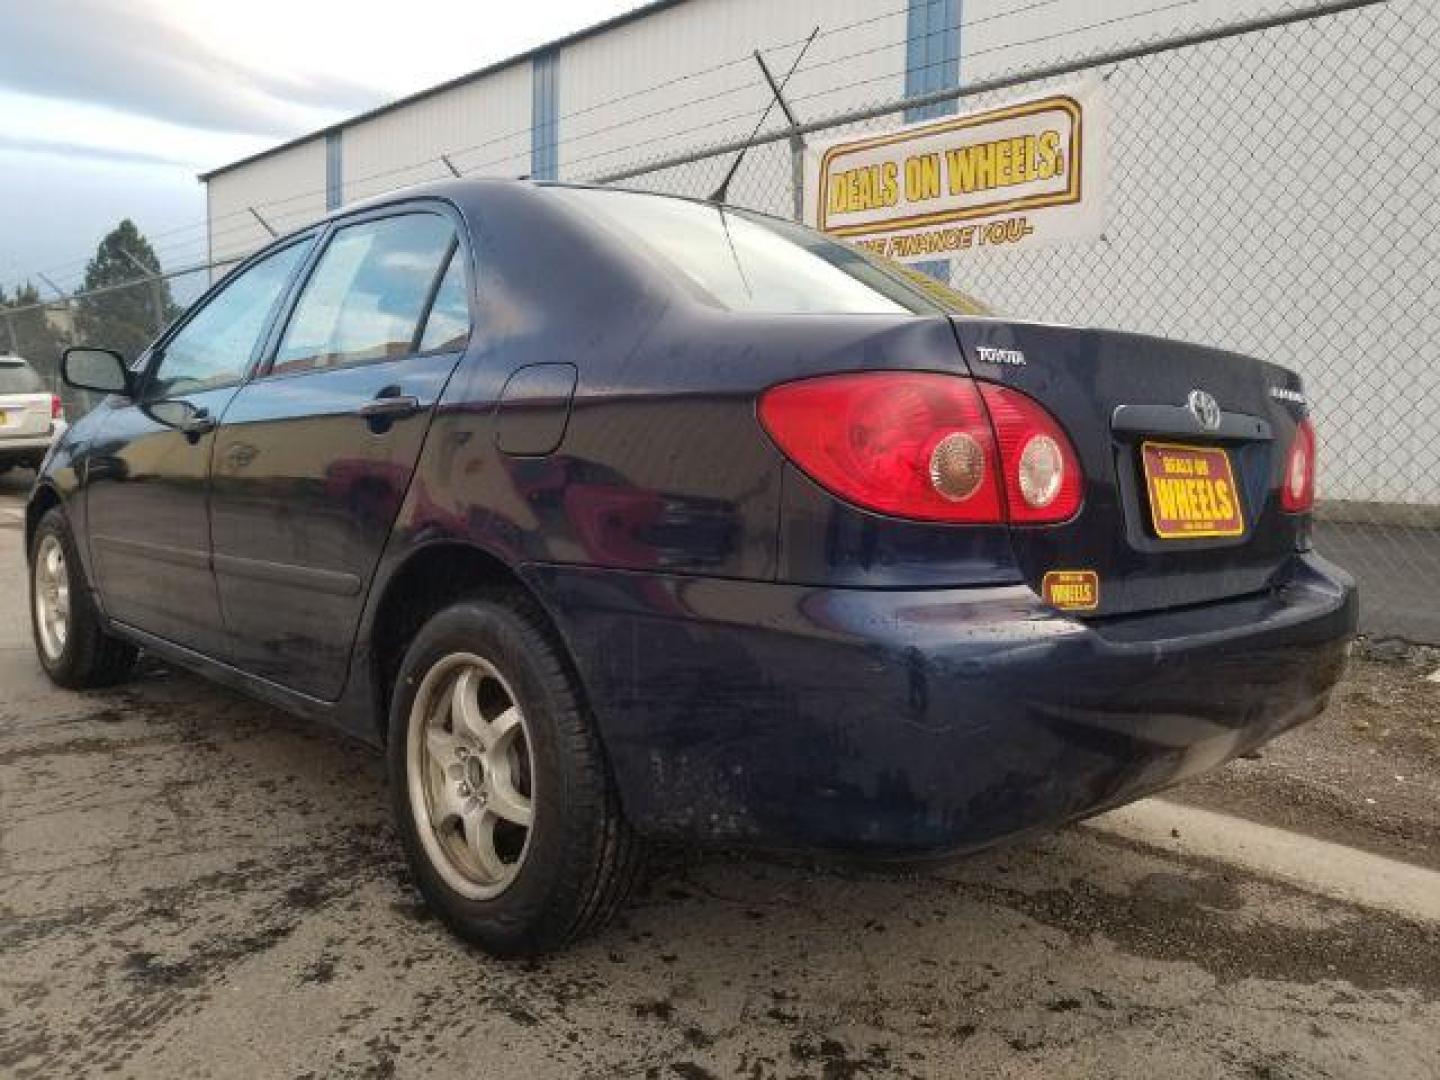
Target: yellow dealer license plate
x,y
3,417
1192,491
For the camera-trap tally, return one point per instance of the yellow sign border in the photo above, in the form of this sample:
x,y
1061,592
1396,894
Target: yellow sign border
x,y
1071,194
1208,534
1089,575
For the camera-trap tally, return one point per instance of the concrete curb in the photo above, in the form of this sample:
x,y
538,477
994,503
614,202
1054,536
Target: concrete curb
x,y
1317,866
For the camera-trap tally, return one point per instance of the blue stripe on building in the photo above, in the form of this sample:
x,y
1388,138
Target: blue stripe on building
x,y
334,190
932,62
544,116
932,53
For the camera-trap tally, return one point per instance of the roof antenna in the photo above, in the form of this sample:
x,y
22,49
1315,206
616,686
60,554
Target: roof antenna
x,y
724,189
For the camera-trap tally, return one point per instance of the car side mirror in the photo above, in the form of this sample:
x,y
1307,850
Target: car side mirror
x,y
102,370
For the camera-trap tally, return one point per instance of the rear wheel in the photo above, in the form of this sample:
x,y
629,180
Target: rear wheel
x,y
502,798
70,639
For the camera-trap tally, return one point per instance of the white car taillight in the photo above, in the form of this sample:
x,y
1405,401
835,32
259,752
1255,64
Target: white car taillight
x,y
1042,471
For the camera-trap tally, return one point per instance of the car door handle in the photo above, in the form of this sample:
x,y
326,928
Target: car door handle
x,y
202,423
391,407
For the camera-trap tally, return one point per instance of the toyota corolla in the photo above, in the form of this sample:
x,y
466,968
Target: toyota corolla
x,y
611,516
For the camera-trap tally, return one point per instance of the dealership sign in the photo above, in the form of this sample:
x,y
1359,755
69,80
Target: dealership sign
x,y
1026,174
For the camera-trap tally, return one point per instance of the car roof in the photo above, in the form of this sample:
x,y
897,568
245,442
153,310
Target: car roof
x,y
473,198
462,190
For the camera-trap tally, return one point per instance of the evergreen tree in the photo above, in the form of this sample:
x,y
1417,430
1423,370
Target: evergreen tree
x,y
29,331
124,319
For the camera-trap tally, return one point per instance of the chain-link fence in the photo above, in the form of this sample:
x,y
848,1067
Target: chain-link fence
x,y
1272,188
125,316
1274,192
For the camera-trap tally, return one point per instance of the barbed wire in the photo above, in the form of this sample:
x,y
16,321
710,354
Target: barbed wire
x,y
298,217
1304,258
711,123
205,232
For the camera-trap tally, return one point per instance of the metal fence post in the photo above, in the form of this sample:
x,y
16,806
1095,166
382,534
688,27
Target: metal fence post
x,y
157,288
797,141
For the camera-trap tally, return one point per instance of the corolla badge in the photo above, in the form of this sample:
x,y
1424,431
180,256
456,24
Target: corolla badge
x,y
1294,397
1205,409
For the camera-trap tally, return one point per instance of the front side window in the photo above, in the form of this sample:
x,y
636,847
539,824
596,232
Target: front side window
x,y
364,300
215,347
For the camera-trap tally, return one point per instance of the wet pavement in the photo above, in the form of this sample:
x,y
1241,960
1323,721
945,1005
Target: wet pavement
x,y
192,884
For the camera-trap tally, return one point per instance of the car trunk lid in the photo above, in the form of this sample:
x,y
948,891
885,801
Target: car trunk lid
x,y
1152,535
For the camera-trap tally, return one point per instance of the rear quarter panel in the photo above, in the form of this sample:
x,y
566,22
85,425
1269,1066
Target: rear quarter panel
x,y
664,465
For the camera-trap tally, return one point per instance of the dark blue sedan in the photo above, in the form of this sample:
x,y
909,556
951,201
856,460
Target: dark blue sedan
x,y
614,516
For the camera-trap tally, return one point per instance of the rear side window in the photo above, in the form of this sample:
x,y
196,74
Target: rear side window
x,y
448,327
214,348
364,300
20,379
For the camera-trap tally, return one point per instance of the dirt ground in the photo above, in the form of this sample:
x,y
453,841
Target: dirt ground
x,y
192,884
1366,773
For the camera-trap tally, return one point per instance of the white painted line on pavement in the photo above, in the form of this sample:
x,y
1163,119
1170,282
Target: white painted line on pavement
x,y
1317,866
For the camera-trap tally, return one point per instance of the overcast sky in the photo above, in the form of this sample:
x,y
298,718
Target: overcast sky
x,y
108,108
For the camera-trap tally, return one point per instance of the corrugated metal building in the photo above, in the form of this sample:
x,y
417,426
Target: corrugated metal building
x,y
663,78
1243,209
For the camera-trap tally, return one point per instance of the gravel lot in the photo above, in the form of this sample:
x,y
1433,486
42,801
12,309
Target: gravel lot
x,y
193,884
1367,773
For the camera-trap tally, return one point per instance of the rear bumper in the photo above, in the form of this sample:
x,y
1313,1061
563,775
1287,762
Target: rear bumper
x,y
26,448
910,722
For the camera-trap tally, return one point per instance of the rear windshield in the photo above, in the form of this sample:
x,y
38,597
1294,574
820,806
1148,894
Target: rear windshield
x,y
19,379
750,262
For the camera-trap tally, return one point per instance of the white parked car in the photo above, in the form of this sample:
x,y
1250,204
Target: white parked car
x,y
31,417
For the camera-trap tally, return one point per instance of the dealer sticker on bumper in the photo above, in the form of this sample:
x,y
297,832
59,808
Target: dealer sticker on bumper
x,y
1192,491
1071,590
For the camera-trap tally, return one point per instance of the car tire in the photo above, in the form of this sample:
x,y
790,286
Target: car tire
x,y
71,641
501,792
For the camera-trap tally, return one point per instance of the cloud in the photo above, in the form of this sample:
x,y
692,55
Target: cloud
x,y
54,212
60,148
128,56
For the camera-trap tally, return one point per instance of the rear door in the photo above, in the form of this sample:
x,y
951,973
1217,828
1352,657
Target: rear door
x,y
314,455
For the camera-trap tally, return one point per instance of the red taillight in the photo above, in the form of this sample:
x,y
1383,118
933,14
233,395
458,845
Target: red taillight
x,y
1042,473
57,410
921,445
912,444
1297,487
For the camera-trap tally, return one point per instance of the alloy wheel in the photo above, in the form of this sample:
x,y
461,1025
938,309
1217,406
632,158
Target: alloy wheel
x,y
52,597
470,773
